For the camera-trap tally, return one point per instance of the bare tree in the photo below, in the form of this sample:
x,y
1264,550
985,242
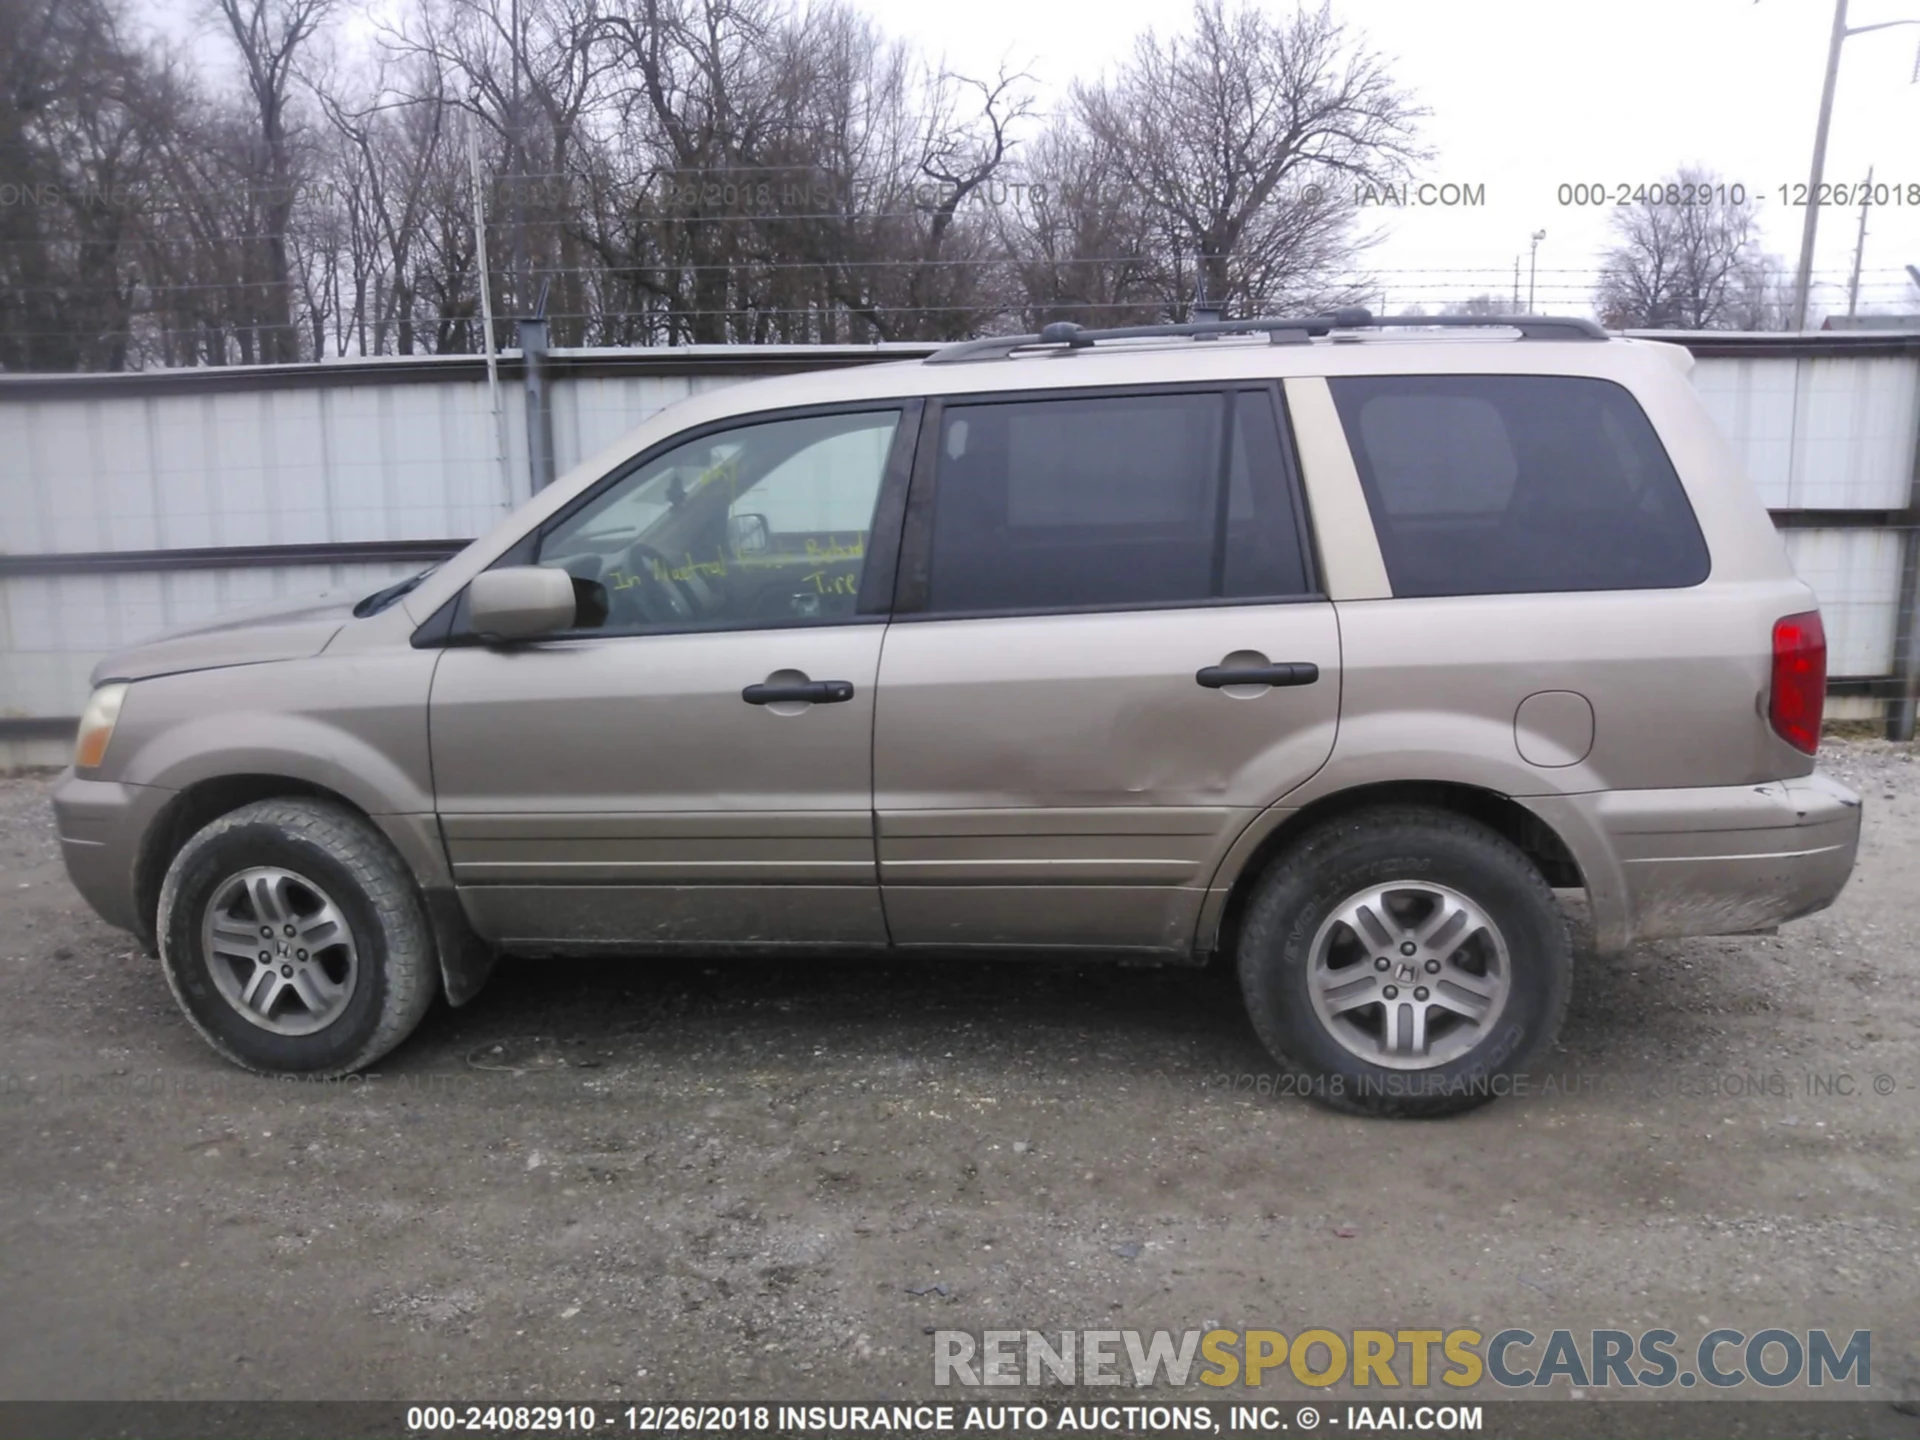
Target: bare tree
x,y
781,173
962,150
392,160
1081,247
1762,295
528,70
1485,303
1688,258
204,240
268,38
699,92
673,171
81,113
1241,141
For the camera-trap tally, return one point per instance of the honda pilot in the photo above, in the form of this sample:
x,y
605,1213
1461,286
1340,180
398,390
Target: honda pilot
x,y
1330,646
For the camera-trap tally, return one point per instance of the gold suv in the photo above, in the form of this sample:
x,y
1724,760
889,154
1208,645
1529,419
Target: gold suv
x,y
1335,645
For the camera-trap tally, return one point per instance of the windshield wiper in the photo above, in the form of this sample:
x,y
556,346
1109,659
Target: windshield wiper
x,y
381,599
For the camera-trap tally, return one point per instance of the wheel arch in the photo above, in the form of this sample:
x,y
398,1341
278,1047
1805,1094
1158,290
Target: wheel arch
x,y
1505,816
464,959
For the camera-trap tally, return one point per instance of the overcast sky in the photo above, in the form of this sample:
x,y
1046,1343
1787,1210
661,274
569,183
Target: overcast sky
x,y
1528,94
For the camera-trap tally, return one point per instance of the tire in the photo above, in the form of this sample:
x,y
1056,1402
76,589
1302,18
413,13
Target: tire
x,y
1336,1007
274,874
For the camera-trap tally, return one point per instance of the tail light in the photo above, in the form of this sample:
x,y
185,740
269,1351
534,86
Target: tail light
x,y
1799,680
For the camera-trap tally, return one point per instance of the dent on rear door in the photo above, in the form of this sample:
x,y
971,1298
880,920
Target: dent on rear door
x,y
1069,778
1065,780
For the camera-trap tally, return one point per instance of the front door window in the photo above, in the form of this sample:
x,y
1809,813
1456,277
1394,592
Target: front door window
x,y
761,525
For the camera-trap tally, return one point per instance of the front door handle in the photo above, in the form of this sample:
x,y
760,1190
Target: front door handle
x,y
1292,672
807,692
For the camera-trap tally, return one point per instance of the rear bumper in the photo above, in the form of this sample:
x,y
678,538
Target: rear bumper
x,y
1712,861
101,825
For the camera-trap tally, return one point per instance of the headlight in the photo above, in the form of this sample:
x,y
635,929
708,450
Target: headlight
x,y
96,725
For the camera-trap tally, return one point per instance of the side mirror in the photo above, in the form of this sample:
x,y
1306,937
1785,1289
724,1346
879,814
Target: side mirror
x,y
520,602
749,534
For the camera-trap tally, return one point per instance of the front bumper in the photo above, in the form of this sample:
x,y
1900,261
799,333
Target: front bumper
x,y
102,825
1723,860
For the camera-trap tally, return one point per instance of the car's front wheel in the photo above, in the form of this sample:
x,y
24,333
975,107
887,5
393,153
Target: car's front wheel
x,y
1405,961
293,937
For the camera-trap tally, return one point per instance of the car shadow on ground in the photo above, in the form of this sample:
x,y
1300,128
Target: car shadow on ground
x,y
840,1004
1025,1010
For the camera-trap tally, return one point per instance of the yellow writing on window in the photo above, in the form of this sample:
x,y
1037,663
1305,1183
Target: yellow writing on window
x,y
834,550
819,553
828,584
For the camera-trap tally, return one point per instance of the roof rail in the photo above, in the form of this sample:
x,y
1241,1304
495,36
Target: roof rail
x,y
1064,337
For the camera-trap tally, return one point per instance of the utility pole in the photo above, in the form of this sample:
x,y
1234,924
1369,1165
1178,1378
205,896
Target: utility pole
x,y
1859,248
1533,265
1803,276
539,397
516,167
509,498
1516,283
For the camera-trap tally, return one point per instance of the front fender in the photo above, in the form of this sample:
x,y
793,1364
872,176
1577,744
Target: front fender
x,y
354,724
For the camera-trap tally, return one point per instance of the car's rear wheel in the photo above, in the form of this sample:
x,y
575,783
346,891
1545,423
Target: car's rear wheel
x,y
1405,961
294,939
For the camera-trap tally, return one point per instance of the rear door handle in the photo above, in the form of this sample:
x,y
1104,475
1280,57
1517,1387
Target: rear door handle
x,y
810,692
1292,672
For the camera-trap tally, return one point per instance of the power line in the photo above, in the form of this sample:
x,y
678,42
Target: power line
x,y
1397,278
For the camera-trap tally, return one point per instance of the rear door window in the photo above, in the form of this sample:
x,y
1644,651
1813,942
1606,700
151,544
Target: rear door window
x,y
1507,484
1096,502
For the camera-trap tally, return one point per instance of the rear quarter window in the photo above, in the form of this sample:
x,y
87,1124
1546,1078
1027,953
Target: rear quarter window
x,y
1508,484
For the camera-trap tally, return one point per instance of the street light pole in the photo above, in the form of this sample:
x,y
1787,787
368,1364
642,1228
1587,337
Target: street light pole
x,y
1533,265
1803,276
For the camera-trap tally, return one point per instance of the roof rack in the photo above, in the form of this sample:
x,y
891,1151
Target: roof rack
x,y
1063,337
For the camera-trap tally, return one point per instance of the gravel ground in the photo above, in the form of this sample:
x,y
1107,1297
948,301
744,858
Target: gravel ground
x,y
648,1181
